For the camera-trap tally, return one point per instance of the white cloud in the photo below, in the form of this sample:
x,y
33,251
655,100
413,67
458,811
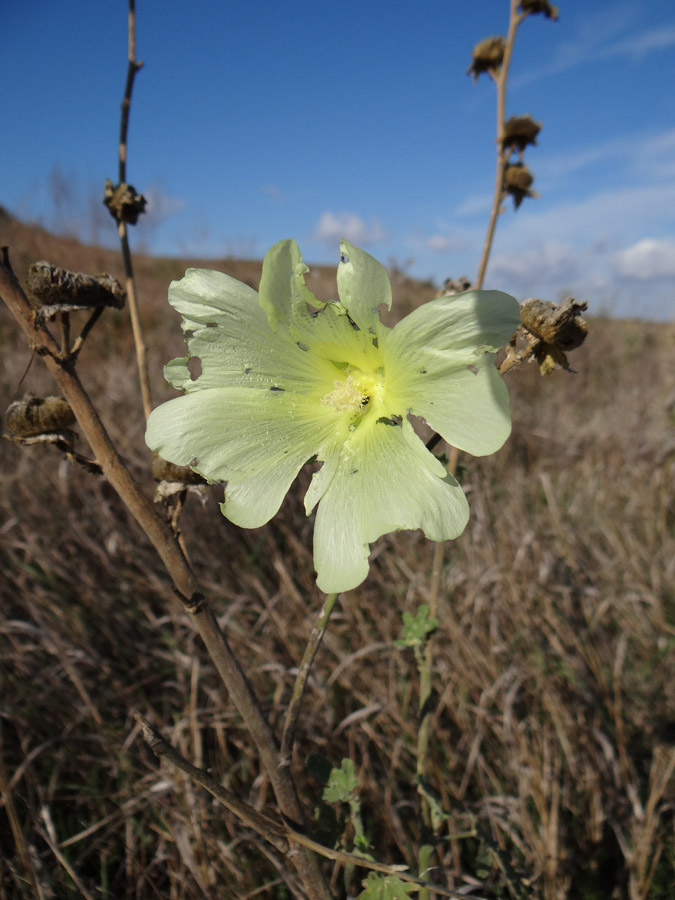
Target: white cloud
x,y
476,203
274,191
161,205
548,263
441,243
331,228
650,154
607,33
649,259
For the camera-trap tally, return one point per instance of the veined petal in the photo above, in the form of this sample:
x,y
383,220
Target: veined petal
x,y
440,366
363,284
227,330
467,406
203,296
459,326
282,284
255,441
390,482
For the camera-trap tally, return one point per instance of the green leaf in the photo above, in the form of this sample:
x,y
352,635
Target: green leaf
x,y
386,887
342,784
416,628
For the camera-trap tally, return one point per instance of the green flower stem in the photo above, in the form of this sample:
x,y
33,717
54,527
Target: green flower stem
x,y
293,710
515,18
164,541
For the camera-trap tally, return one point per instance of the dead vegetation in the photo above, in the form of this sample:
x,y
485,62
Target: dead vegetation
x,y
553,734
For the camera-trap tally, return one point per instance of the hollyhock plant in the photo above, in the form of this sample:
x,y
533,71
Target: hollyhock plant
x,y
287,378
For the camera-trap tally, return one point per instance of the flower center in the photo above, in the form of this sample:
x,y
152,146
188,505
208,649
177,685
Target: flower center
x,y
350,395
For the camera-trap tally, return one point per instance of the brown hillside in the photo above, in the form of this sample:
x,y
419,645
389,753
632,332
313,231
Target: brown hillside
x,y
552,743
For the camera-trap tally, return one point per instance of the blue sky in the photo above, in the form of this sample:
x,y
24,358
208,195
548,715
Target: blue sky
x,y
255,121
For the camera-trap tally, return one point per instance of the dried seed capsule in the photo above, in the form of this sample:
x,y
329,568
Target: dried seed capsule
x,y
58,290
519,131
558,324
38,415
487,56
518,181
539,6
166,471
124,203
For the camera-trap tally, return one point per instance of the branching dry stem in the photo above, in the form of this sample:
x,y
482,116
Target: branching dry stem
x,y
164,541
280,836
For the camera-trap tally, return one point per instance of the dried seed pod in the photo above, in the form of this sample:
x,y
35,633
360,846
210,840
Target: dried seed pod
x,y
166,471
519,131
124,203
487,56
454,286
58,290
530,7
518,181
33,416
559,324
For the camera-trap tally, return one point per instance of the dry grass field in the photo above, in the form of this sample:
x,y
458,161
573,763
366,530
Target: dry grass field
x,y
553,732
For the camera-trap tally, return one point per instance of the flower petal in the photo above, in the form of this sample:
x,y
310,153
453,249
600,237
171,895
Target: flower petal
x,y
440,367
227,330
256,441
389,482
282,284
363,284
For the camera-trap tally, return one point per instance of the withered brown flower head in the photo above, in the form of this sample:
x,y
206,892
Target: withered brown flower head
x,y
518,181
486,56
519,131
530,7
124,202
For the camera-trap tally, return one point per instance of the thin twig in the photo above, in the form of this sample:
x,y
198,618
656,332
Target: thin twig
x,y
51,841
168,548
141,352
426,667
65,334
86,328
279,835
293,711
17,833
515,18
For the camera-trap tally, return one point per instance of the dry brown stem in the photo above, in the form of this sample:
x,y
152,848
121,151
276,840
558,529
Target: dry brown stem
x,y
500,77
167,546
130,284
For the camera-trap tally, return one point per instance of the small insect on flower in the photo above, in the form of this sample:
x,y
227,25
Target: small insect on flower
x,y
286,377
